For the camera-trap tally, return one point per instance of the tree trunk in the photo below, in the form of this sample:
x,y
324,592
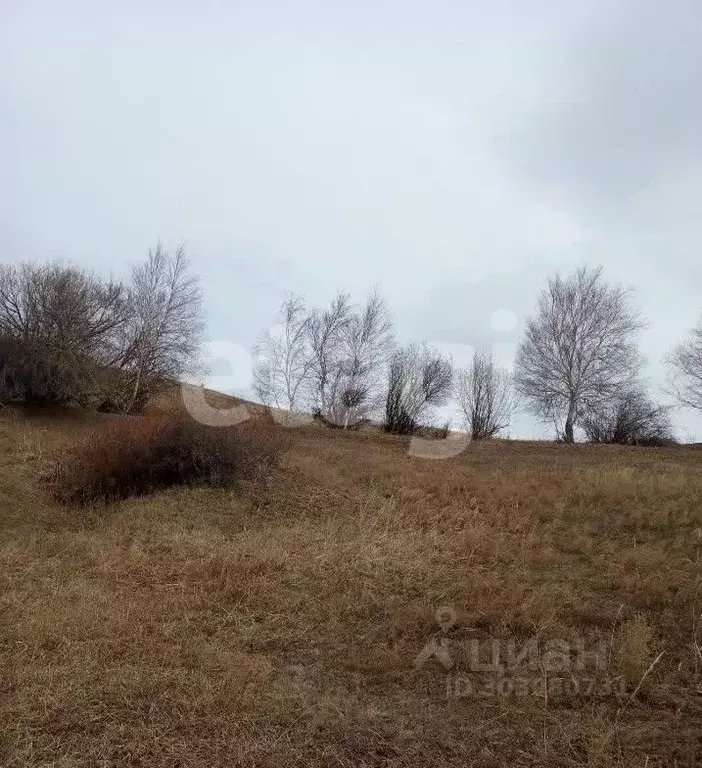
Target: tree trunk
x,y
135,393
569,423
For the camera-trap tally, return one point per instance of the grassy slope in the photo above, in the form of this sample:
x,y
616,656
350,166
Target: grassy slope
x,y
204,628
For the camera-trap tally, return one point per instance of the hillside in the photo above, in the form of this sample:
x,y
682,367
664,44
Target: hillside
x,y
285,625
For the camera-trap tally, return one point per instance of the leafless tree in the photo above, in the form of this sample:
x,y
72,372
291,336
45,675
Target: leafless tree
x,y
632,418
58,324
420,379
162,338
579,350
686,366
366,343
484,396
327,335
330,360
283,361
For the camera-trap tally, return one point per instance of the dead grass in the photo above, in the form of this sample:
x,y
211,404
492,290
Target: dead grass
x,y
280,626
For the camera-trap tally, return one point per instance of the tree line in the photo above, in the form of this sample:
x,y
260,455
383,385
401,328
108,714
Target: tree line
x,y
70,336
342,364
578,365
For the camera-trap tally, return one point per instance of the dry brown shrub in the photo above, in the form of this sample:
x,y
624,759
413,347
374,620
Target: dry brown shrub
x,y
136,455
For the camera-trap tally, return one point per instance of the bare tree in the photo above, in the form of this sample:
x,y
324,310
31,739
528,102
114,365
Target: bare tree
x,y
284,366
367,341
419,379
162,338
58,324
686,366
330,360
579,350
327,335
484,396
632,418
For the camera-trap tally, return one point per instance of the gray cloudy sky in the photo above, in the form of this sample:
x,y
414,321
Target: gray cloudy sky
x,y
454,153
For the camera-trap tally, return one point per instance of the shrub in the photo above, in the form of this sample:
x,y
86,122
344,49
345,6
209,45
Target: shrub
x,y
319,417
419,380
630,419
135,455
432,432
8,385
58,326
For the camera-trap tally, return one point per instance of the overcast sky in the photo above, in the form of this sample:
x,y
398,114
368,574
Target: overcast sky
x,y
453,153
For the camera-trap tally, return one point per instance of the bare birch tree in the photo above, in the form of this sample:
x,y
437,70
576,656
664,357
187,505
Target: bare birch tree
x,y
162,338
367,341
484,396
327,334
419,380
283,364
331,361
579,350
686,366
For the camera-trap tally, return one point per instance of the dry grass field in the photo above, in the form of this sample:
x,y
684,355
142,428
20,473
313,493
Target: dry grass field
x,y
280,625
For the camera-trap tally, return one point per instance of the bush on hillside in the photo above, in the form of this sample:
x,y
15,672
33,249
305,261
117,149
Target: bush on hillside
x,y
419,380
630,419
136,455
434,432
